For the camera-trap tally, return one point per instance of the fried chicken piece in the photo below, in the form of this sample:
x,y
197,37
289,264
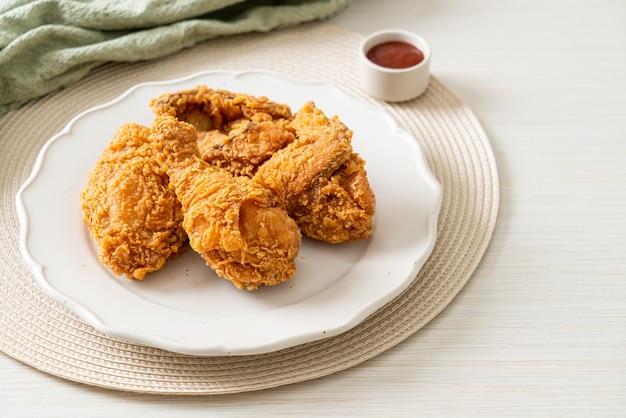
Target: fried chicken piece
x,y
232,222
208,109
339,208
128,208
248,144
322,182
321,147
235,131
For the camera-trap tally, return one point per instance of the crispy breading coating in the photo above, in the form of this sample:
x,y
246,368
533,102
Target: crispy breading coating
x,y
207,109
322,182
247,145
339,208
232,222
128,208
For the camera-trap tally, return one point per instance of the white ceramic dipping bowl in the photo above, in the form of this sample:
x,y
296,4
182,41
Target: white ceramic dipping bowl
x,y
394,84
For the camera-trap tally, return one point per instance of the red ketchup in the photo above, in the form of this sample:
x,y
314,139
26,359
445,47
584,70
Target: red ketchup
x,y
395,54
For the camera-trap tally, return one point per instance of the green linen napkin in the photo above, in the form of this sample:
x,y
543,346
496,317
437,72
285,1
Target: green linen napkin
x,y
49,44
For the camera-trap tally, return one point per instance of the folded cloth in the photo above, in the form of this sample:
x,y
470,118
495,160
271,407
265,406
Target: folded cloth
x,y
49,44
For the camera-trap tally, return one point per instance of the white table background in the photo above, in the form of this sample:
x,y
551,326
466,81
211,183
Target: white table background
x,y
540,329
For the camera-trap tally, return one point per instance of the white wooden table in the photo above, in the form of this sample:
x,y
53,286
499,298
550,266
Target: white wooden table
x,y
540,329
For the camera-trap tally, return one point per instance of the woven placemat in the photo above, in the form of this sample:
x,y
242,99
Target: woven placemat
x,y
44,334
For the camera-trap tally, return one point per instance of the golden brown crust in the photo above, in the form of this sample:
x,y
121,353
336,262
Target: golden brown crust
x,y
128,208
207,109
321,146
232,222
247,145
339,208
323,183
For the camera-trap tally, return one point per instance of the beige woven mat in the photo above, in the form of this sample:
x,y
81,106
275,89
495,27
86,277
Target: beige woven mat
x,y
40,332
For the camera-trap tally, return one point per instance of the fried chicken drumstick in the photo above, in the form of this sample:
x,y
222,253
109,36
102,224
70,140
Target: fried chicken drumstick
x,y
128,208
231,221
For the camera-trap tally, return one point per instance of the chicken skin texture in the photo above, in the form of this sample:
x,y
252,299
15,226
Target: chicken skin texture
x,y
339,208
248,144
321,180
208,109
231,221
322,145
129,210
235,131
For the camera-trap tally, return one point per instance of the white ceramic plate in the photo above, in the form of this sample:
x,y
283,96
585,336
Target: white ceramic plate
x,y
185,307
